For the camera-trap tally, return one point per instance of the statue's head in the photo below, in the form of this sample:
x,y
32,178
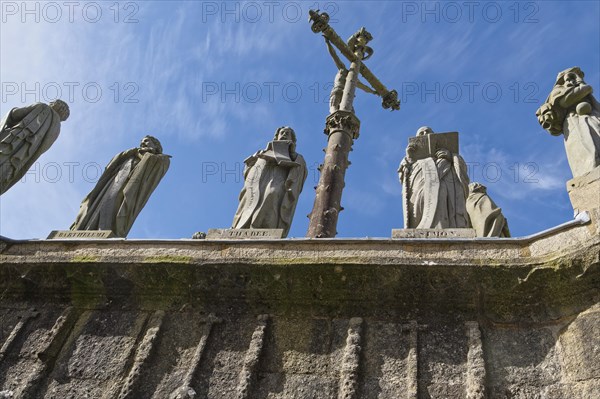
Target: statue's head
x,y
549,119
61,108
285,133
570,77
151,144
477,188
424,130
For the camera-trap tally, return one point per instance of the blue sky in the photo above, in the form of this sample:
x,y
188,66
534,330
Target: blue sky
x,y
213,81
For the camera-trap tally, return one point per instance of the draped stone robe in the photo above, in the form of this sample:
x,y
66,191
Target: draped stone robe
x,y
122,191
26,133
435,193
582,136
270,194
486,217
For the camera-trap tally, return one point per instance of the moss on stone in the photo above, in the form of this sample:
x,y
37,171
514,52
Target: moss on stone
x,y
168,259
85,259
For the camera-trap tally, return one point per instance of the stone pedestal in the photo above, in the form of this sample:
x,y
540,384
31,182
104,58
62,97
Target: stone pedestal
x,y
584,192
433,233
80,234
244,234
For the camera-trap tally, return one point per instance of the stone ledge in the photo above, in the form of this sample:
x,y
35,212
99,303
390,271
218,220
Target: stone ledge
x,y
553,244
140,318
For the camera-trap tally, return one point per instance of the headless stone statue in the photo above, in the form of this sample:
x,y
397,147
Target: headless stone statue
x,y
26,133
123,189
571,110
486,217
273,181
435,185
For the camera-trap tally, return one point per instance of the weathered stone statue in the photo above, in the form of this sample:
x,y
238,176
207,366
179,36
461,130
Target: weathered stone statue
x,y
486,217
571,109
123,189
337,92
26,134
273,181
435,182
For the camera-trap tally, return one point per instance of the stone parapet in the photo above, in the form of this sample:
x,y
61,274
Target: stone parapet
x,y
584,192
302,318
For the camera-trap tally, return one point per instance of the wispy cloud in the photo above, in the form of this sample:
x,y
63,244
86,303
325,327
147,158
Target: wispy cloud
x,y
172,53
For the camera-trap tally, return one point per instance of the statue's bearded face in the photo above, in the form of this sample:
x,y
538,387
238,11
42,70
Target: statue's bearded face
x,y
424,130
61,108
572,79
148,144
285,134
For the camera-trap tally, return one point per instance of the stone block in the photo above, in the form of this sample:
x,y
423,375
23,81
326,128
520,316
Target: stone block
x,y
433,233
584,191
78,234
244,234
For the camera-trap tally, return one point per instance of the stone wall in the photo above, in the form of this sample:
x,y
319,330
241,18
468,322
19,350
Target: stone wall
x,y
368,318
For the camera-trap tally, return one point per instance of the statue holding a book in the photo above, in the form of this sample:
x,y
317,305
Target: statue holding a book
x,y
435,182
273,180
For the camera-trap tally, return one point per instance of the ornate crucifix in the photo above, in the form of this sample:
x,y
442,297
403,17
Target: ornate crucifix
x,y
342,126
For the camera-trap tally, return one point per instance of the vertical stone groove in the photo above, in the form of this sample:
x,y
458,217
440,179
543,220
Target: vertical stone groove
x,y
49,348
186,391
475,363
15,333
348,385
412,361
249,369
142,353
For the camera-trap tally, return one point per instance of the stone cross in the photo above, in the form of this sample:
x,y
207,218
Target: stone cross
x,y
342,126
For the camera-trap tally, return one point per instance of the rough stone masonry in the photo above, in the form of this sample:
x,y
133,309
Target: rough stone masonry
x,y
331,318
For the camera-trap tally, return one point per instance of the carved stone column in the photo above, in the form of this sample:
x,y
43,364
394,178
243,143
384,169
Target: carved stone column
x,y
342,127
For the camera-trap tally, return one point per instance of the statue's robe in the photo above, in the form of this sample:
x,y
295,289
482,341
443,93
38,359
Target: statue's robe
x,y
486,217
270,194
435,193
25,135
581,132
122,191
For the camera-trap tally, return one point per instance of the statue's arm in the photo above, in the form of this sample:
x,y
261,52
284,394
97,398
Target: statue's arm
x,y
336,59
443,153
575,95
296,176
17,114
366,88
249,163
403,169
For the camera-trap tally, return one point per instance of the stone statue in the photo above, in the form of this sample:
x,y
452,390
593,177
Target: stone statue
x,y
337,92
123,189
435,182
273,181
26,134
571,109
486,218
